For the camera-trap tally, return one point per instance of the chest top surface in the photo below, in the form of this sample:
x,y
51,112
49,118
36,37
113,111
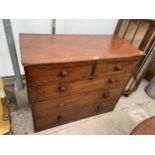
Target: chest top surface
x,y
51,49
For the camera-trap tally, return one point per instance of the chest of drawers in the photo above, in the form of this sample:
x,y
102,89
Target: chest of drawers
x,y
70,77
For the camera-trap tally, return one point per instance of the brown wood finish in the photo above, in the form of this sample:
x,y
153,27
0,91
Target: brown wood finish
x,y
47,90
151,68
55,73
67,72
72,115
147,36
151,72
118,67
70,77
49,49
147,127
51,106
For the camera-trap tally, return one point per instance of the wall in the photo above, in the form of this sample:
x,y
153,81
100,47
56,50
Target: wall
x,y
5,61
68,26
85,26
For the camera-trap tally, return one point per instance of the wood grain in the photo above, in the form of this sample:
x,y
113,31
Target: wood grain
x,y
52,106
71,77
55,73
71,115
119,66
147,127
48,49
59,89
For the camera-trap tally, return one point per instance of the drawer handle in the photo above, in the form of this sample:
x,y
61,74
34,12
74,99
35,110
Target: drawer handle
x,y
64,73
98,107
117,68
61,104
106,95
59,118
62,89
112,80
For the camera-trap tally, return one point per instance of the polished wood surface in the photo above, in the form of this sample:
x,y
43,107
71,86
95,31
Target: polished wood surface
x,y
52,106
47,49
147,127
71,77
72,115
63,72
119,66
47,90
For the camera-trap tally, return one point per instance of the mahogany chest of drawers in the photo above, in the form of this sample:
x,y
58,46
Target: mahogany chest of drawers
x,y
70,77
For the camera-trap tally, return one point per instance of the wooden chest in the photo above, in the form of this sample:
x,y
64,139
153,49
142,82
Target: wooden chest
x,y
70,77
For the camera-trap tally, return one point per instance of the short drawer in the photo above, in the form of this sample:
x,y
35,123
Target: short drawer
x,y
52,73
52,106
115,67
50,90
71,115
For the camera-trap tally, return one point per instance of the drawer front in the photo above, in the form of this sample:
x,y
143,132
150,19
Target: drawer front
x,y
48,90
49,107
72,115
36,74
116,67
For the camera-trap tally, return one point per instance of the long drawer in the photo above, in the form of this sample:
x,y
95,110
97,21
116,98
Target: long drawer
x,y
48,107
72,115
49,90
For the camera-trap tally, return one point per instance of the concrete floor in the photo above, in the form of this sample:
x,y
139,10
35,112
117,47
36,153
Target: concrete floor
x,y
128,113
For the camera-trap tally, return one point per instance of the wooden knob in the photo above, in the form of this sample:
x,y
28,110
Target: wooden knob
x,y
62,89
64,73
117,68
61,104
105,95
98,107
112,80
59,118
